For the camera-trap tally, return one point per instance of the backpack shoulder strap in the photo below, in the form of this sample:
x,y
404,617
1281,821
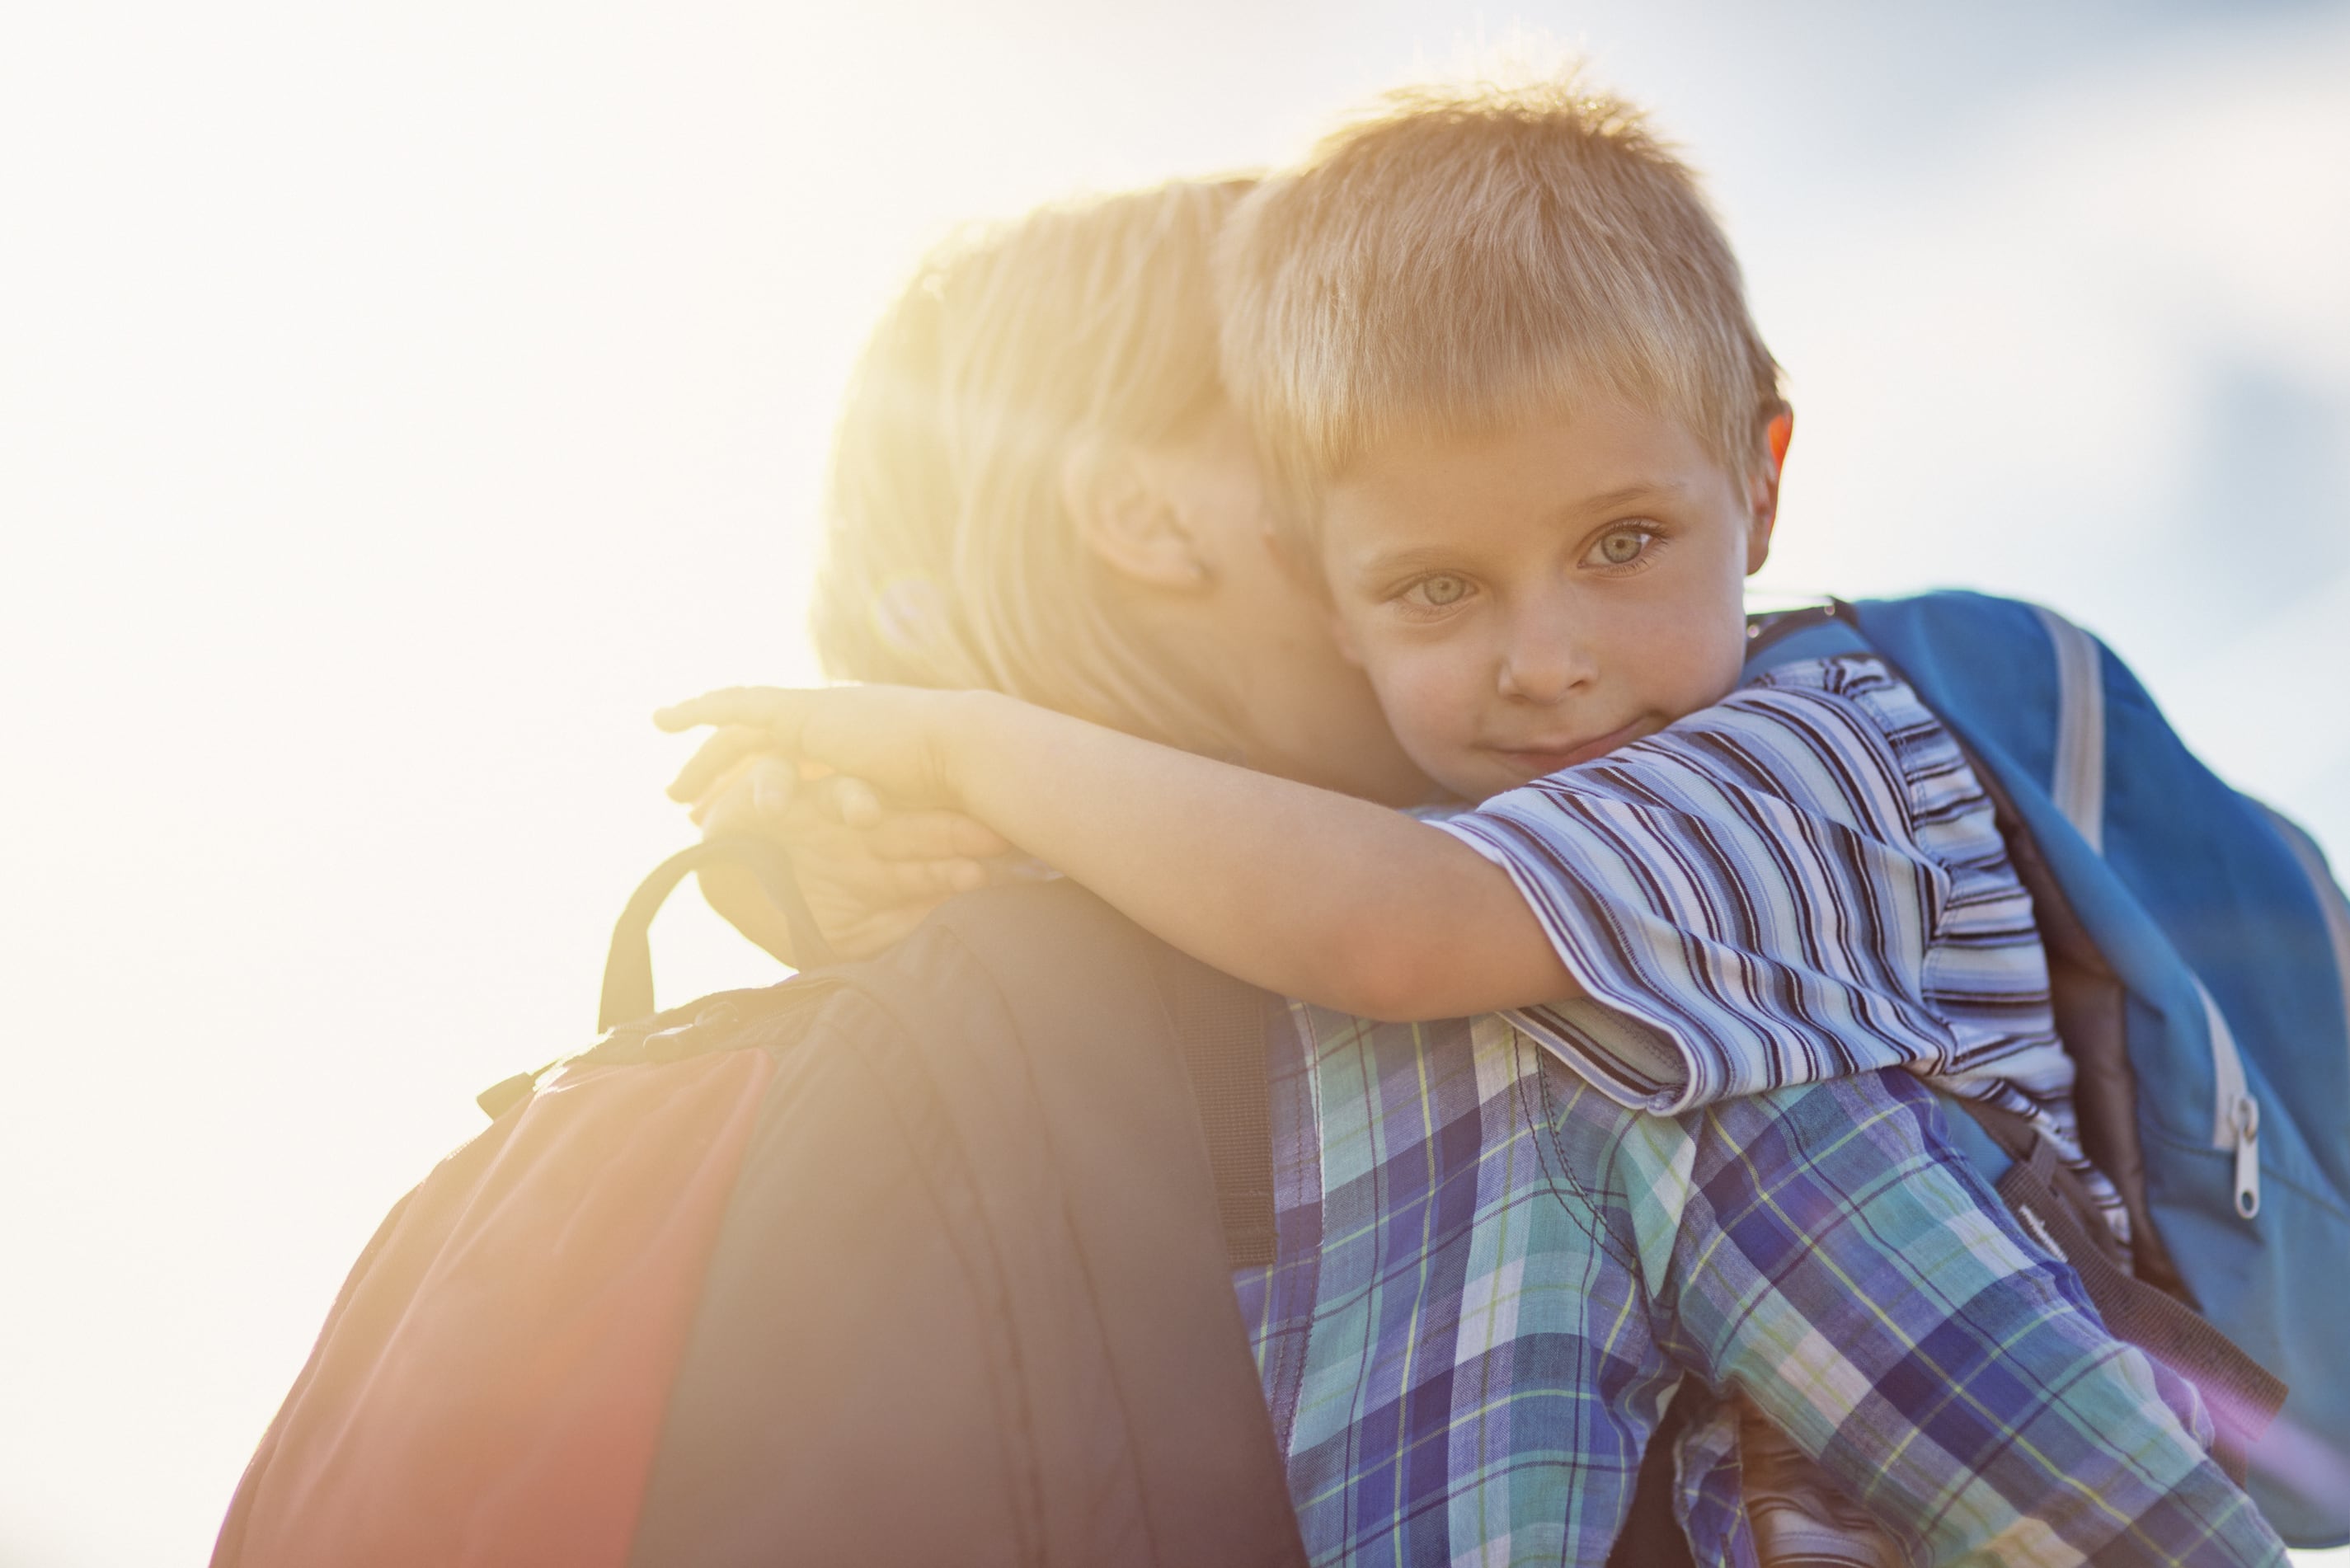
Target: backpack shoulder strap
x,y
628,967
2242,1395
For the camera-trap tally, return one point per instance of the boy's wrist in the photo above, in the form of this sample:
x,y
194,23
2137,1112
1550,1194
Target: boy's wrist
x,y
971,728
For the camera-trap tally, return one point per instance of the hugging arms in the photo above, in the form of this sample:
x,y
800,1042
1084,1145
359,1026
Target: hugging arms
x,y
1493,1273
1304,891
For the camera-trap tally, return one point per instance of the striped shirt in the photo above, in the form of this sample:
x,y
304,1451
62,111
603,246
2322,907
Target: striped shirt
x,y
1803,882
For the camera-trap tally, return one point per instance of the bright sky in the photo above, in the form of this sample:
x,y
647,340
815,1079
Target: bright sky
x,y
398,401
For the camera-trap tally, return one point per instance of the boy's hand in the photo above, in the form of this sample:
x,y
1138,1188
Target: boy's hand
x,y
869,873
897,737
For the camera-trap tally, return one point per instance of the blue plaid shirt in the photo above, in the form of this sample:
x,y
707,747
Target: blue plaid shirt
x,y
1491,1278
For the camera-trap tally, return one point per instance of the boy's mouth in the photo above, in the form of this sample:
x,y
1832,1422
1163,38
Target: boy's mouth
x,y
1541,760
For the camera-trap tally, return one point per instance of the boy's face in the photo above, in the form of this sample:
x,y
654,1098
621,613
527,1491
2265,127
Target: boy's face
x,y
1528,600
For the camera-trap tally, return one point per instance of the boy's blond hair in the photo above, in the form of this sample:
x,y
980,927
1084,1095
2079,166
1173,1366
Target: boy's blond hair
x,y
1464,257
951,557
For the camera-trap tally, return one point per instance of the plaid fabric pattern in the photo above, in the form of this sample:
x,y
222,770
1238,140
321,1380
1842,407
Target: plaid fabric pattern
x,y
1491,1278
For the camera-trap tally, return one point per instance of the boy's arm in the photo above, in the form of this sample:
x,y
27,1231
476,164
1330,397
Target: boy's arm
x,y
1301,890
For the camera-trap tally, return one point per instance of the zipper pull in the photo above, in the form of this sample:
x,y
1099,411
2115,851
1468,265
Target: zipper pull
x,y
2247,1156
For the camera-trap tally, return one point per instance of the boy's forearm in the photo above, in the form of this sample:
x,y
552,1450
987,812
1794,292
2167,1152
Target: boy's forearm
x,y
1301,890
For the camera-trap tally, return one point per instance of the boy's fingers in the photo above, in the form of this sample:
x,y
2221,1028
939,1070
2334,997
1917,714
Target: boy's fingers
x,y
853,802
934,836
725,796
767,707
708,769
774,783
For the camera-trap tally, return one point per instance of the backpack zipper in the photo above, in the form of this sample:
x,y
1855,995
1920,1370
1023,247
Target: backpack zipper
x,y
2236,1123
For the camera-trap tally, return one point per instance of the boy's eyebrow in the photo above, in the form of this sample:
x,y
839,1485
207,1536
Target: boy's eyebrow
x,y
1624,495
1404,558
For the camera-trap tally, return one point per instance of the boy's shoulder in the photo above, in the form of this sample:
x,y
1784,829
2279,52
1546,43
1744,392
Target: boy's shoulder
x,y
1839,737
1884,716
1835,706
1844,708
1842,674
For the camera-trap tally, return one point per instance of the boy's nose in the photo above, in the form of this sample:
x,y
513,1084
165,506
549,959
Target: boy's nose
x,y
1545,661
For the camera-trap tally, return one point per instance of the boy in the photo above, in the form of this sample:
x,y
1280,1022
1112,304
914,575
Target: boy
x,y
1498,357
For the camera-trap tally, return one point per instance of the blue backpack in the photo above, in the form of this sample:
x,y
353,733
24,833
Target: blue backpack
x,y
2199,958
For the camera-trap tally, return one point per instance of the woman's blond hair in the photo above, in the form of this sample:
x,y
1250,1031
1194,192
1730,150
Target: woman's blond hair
x,y
951,557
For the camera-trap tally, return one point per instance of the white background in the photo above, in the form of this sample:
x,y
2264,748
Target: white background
x,y
398,401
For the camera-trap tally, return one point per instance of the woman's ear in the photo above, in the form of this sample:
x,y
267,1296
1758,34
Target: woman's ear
x,y
1341,636
1128,519
1762,489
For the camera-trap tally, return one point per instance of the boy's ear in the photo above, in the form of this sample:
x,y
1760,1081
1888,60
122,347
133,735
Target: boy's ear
x,y
1763,488
1127,520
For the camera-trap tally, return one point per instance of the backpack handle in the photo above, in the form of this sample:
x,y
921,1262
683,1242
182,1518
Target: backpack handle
x,y
628,967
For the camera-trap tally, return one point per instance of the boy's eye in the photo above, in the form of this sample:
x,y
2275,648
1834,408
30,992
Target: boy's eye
x,y
1620,546
1439,591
